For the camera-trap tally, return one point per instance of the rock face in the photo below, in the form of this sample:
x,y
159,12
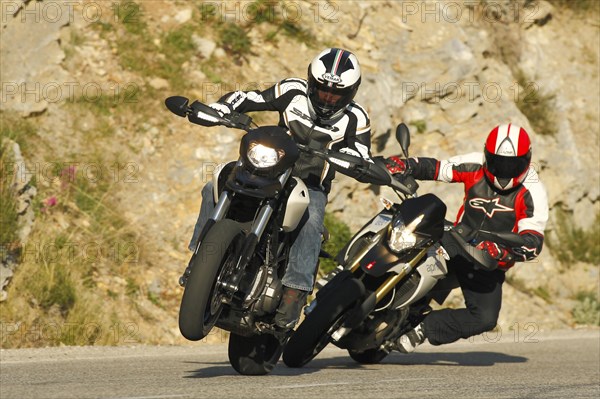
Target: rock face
x,y
31,56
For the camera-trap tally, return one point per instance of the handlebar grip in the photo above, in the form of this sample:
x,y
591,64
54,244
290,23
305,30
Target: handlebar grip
x,y
480,257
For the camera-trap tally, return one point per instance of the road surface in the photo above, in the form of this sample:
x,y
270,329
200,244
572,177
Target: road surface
x,y
527,364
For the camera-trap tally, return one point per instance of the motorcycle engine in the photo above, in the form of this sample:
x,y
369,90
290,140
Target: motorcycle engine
x,y
271,295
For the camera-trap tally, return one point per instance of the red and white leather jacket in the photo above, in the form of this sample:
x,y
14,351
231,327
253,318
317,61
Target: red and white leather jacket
x,y
522,210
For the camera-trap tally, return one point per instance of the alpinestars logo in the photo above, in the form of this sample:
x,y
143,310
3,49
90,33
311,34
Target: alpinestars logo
x,y
526,252
489,206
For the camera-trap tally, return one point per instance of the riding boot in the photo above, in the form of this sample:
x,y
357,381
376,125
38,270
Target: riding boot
x,y
290,306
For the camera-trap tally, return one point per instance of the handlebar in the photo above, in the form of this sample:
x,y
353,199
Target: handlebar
x,y
348,164
459,239
203,115
362,170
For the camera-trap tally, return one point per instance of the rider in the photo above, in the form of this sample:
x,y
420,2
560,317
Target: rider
x,y
321,114
502,194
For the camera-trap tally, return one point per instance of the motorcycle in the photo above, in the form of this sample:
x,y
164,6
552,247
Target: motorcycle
x,y
388,274
233,280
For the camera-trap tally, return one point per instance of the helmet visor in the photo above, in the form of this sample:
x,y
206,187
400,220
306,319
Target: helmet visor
x,y
327,100
507,167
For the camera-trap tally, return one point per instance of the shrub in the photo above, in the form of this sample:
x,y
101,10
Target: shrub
x,y
52,285
339,236
420,125
572,244
234,39
537,107
587,309
8,208
16,129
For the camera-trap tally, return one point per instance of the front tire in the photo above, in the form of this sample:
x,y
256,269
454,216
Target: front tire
x,y
254,355
200,307
313,335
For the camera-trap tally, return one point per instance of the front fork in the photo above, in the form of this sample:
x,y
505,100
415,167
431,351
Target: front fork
x,y
258,228
359,313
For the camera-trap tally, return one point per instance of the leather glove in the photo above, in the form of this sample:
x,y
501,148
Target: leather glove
x,y
500,254
395,165
222,109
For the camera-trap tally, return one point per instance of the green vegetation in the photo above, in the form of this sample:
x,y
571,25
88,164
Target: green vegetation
x,y
339,236
543,293
57,280
16,129
572,244
420,125
234,39
53,285
537,107
587,309
8,211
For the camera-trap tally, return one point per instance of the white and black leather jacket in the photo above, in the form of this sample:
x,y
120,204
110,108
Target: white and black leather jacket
x,y
351,131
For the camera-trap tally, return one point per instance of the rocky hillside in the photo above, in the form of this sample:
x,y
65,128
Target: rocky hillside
x,y
100,184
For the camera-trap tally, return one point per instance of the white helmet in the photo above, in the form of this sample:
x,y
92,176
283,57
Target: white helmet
x,y
333,80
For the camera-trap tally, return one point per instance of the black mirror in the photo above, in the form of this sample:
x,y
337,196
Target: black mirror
x,y
403,137
177,105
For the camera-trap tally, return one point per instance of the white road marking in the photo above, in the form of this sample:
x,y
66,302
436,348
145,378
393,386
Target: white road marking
x,y
312,385
150,397
354,383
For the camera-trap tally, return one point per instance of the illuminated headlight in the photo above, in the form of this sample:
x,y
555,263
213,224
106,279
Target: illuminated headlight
x,y
403,237
262,156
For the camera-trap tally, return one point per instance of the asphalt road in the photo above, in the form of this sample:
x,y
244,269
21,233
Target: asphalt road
x,y
527,364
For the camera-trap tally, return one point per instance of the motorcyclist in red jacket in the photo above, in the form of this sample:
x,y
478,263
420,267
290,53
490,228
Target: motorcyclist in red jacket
x,y
502,194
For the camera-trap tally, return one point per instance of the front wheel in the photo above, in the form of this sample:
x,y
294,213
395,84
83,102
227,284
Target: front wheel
x,y
313,335
254,355
201,303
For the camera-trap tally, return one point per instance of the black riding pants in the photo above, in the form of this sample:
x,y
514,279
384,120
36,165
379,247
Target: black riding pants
x,y
482,291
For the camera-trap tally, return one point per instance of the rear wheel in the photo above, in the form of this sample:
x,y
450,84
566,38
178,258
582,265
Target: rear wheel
x,y
201,304
370,356
314,333
254,355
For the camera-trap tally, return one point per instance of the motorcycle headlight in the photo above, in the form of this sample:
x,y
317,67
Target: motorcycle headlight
x,y
403,237
262,156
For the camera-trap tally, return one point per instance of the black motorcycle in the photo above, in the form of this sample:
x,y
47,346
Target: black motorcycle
x,y
387,275
233,280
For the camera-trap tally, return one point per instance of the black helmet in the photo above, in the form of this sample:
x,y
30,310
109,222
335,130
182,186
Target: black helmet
x,y
333,80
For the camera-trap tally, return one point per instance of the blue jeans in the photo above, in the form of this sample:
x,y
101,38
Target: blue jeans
x,y
304,252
